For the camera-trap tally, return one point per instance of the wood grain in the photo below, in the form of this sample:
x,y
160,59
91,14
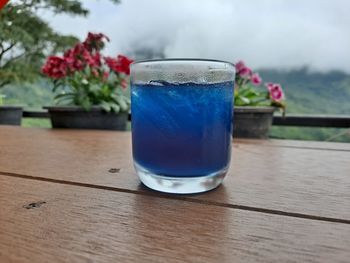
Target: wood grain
x,y
337,146
292,180
78,224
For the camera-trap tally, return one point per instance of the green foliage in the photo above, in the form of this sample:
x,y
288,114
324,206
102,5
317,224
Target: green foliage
x,y
31,96
251,96
33,122
2,96
87,90
26,39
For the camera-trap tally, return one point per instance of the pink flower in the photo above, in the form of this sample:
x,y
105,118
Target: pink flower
x,y
242,69
276,92
256,79
245,72
240,65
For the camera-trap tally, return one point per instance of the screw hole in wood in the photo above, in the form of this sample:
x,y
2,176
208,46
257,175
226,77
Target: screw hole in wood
x,y
34,205
114,170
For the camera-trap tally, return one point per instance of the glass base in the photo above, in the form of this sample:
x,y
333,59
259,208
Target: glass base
x,y
180,185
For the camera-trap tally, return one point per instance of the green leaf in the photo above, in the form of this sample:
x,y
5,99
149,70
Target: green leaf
x,y
106,106
122,103
64,95
242,101
86,104
115,108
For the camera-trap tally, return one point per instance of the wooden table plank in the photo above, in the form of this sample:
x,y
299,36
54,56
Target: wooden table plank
x,y
80,224
291,180
297,144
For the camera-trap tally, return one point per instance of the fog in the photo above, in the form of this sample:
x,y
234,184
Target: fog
x,y
266,33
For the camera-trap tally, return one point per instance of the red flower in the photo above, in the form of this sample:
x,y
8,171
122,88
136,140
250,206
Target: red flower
x,y
97,60
75,57
78,57
55,67
276,92
119,65
68,56
95,41
111,62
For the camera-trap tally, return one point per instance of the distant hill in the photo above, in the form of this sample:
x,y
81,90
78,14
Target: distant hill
x,y
31,96
312,93
307,92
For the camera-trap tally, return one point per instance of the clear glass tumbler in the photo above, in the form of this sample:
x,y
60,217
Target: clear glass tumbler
x,y
182,112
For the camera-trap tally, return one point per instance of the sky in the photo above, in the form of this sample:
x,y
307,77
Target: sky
x,y
279,34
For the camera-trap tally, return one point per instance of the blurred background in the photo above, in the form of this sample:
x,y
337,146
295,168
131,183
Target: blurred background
x,y
304,45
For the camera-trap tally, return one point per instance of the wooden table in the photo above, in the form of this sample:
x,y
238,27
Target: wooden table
x,y
73,196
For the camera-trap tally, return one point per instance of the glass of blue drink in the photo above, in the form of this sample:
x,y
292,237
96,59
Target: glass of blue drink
x,y
182,113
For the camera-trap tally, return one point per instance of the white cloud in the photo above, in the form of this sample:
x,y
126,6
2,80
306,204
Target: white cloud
x,y
266,33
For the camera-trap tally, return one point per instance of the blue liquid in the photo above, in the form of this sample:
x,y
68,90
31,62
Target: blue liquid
x,y
182,130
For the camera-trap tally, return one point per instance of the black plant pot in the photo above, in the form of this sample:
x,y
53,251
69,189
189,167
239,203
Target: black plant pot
x,y
252,122
11,115
77,118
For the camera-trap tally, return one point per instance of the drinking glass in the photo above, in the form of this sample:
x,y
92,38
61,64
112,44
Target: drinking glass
x,y
182,112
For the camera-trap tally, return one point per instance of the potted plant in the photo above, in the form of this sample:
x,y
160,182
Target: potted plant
x,y
89,87
9,115
255,103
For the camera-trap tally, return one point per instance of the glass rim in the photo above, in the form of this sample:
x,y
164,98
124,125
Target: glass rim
x,y
181,59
